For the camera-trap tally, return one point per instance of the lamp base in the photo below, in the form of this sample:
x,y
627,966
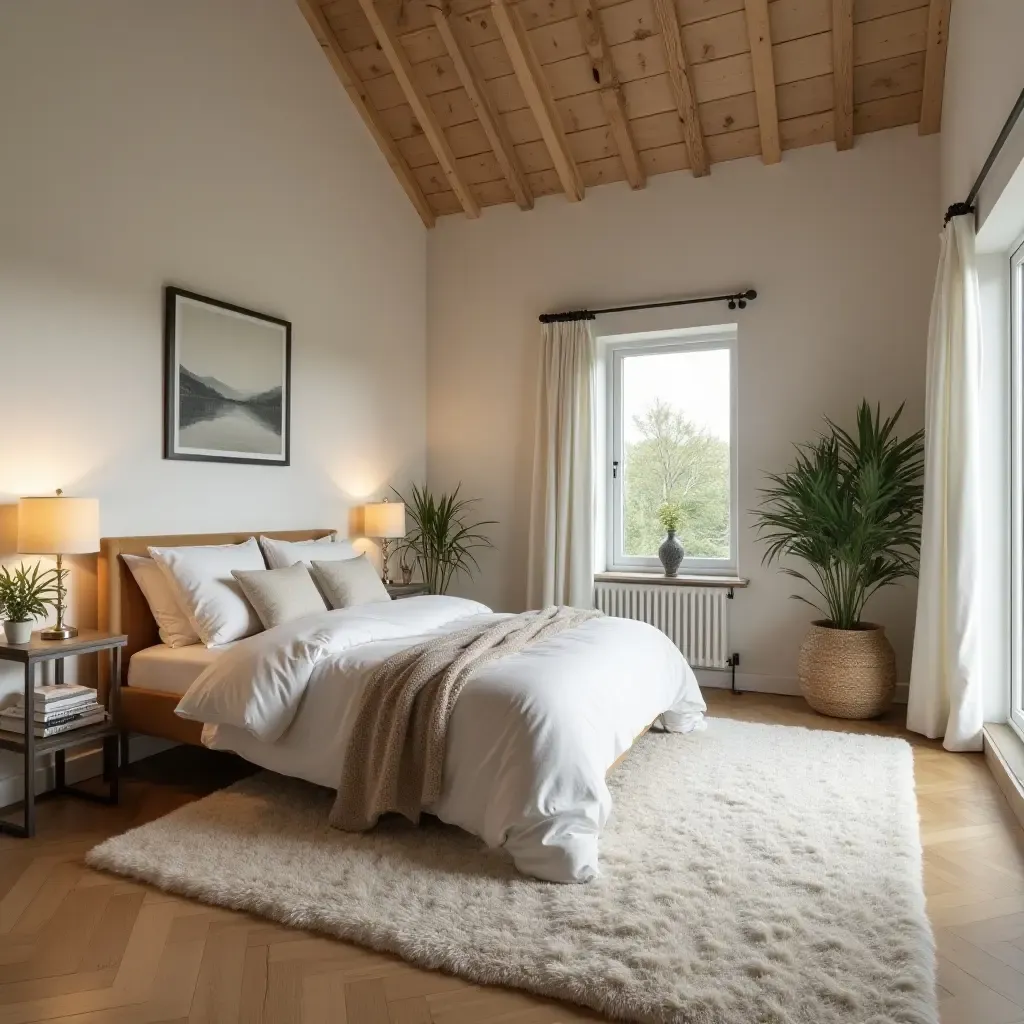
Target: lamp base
x,y
58,633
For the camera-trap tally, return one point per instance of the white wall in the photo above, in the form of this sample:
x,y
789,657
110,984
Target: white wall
x,y
204,143
984,77
842,248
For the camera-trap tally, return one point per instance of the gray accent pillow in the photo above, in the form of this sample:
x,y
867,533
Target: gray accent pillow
x,y
350,582
280,595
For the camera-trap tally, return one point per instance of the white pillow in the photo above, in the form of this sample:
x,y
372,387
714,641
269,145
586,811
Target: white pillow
x,y
282,553
212,598
172,622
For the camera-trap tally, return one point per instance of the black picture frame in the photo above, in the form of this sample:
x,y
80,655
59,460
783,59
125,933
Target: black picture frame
x,y
260,408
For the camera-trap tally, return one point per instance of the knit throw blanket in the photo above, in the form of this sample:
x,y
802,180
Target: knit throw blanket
x,y
396,753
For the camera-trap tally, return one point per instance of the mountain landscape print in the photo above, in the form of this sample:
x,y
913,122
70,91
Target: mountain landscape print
x,y
228,382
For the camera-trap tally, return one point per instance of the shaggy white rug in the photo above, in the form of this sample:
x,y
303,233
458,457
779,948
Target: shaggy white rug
x,y
751,873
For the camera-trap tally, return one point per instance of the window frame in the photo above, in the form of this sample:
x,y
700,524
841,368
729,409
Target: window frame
x,y
1017,489
619,348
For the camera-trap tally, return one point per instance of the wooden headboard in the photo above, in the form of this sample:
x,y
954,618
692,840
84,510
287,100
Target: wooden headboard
x,y
121,608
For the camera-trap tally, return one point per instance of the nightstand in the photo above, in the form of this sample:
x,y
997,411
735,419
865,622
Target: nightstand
x,y
88,641
397,590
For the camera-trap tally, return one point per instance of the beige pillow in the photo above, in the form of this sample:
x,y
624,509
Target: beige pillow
x,y
280,595
171,621
350,582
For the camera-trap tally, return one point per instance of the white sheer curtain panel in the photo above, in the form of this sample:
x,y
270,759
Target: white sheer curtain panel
x,y
946,696
560,569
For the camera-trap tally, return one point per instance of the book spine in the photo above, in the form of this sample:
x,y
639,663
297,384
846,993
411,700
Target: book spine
x,y
64,692
56,730
64,705
44,732
17,715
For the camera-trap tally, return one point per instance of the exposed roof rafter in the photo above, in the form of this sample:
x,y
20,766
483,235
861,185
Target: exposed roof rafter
x,y
611,92
682,88
395,53
842,72
490,120
759,32
935,67
367,111
538,95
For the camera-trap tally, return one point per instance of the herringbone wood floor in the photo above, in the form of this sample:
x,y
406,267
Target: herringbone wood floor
x,y
84,948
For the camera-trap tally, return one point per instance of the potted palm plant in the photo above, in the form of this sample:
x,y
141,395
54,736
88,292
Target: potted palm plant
x,y
850,507
25,595
441,540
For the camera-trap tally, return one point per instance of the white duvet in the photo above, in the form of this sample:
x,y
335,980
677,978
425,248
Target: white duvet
x,y
529,742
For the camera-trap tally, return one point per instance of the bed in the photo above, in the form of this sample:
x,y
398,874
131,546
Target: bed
x,y
529,742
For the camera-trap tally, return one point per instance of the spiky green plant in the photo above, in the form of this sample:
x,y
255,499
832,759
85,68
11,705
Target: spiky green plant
x,y
26,593
850,507
441,540
670,515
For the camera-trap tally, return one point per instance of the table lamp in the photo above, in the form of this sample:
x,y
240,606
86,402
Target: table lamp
x,y
384,521
58,526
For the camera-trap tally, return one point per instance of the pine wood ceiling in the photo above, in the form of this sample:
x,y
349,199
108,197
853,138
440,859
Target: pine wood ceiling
x,y
481,102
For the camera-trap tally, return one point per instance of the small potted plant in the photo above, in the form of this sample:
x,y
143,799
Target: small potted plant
x,y
850,508
671,551
441,540
25,595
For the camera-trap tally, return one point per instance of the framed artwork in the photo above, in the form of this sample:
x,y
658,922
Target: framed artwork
x,y
227,382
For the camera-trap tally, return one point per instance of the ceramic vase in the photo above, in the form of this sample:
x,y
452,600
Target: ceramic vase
x,y
671,554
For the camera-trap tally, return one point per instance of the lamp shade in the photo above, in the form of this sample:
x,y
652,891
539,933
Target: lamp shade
x,y
384,519
58,526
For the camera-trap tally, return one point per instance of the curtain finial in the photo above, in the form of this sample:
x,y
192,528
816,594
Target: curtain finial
x,y
958,210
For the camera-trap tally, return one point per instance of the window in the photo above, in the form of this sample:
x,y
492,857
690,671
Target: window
x,y
671,419
1017,489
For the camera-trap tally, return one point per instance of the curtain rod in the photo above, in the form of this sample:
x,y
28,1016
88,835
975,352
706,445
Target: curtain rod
x,y
739,299
962,209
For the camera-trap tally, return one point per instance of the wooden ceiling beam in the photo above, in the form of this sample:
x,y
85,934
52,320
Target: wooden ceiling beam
x,y
538,95
367,111
842,71
759,32
681,85
422,111
935,67
611,92
490,120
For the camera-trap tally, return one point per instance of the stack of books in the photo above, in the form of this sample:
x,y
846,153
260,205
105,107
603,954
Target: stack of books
x,y
56,709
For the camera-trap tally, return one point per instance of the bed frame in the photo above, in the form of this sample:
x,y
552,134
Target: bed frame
x,y
123,609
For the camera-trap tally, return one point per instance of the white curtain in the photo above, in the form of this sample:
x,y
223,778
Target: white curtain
x,y
946,696
560,567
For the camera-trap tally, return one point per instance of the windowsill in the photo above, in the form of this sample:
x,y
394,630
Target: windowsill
x,y
1004,752
682,580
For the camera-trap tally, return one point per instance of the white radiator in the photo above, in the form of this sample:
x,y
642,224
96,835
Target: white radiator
x,y
695,619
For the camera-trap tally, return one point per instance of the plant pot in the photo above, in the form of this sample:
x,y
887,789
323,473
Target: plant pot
x,y
671,554
847,673
18,632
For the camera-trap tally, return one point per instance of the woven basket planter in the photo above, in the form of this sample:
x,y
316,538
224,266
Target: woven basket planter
x,y
847,673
